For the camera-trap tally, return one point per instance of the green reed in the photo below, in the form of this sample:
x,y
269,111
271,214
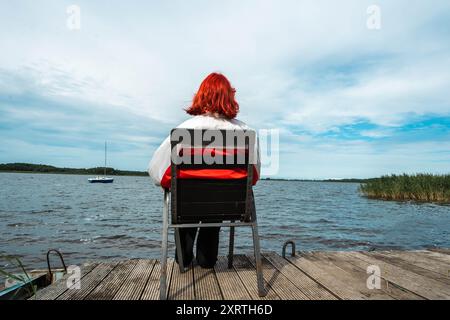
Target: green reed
x,y
23,278
417,187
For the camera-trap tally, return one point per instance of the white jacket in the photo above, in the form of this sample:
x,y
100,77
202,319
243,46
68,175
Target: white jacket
x,y
160,163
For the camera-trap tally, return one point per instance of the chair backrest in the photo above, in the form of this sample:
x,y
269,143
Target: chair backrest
x,y
211,200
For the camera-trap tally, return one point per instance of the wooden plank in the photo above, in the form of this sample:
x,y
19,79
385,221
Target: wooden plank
x,y
345,263
230,284
422,258
151,290
134,285
353,278
206,286
415,263
56,289
434,256
247,274
89,282
420,285
182,284
326,279
107,289
312,289
320,275
445,251
284,288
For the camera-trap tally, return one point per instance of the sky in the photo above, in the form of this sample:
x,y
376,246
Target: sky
x,y
348,100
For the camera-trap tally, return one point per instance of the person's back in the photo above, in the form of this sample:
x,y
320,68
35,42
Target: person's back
x,y
214,107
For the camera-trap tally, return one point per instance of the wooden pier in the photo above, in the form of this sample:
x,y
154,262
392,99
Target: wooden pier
x,y
420,274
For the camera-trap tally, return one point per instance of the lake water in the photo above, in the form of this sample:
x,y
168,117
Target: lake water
x,y
123,220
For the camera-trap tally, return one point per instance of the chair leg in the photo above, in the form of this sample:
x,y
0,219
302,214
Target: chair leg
x,y
259,273
165,231
179,253
231,248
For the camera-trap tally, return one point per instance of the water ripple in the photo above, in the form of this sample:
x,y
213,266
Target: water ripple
x,y
123,220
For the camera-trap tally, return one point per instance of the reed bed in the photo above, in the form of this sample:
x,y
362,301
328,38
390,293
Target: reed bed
x,y
418,187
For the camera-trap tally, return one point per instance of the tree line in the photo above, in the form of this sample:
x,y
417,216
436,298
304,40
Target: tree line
x,y
43,168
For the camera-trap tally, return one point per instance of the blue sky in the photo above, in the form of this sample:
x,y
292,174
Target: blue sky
x,y
348,101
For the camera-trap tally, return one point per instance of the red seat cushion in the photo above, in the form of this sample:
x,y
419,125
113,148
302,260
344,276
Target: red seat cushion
x,y
212,174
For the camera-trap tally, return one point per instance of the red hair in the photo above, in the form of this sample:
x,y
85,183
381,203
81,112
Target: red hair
x,y
215,95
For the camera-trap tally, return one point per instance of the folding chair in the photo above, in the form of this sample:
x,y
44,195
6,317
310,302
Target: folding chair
x,y
215,203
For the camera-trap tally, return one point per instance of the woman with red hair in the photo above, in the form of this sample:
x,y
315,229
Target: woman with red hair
x,y
214,107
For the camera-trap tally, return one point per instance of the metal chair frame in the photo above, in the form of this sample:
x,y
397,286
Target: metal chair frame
x,y
243,219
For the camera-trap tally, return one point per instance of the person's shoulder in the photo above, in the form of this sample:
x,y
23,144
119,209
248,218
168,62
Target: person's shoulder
x,y
204,122
242,125
239,123
190,123
210,122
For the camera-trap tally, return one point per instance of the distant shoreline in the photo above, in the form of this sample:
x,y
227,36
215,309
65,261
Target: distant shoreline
x,y
46,169
43,168
74,174
418,187
146,174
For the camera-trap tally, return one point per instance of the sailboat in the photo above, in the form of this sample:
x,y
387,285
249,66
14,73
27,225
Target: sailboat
x,y
104,178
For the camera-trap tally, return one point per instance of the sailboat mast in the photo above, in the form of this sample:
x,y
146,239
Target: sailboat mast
x,y
105,161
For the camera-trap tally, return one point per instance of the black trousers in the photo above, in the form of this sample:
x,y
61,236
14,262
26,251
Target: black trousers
x,y
207,246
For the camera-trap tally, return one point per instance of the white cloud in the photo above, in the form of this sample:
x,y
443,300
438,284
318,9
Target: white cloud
x,y
337,159
312,65
386,98
376,133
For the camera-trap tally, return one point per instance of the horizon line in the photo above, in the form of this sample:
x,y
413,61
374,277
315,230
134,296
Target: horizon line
x,y
262,177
